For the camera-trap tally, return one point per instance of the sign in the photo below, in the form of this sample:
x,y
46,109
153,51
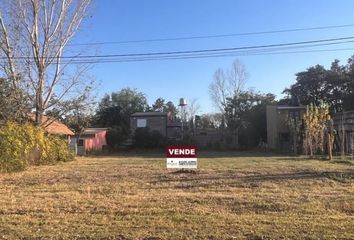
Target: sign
x,y
181,157
141,123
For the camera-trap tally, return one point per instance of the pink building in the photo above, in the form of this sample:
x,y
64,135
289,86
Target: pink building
x,y
91,139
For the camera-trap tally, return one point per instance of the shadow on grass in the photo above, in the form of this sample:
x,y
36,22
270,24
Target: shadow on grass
x,y
201,154
194,181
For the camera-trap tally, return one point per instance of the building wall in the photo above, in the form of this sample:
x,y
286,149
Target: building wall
x,y
345,121
97,142
272,130
206,138
91,142
278,136
154,123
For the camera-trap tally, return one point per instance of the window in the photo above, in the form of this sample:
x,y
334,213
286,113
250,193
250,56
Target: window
x,y
294,114
80,143
141,123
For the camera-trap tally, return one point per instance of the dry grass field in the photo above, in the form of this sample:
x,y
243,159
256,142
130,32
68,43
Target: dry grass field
x,y
231,196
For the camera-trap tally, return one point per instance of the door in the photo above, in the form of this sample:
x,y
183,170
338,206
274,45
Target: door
x,y
81,147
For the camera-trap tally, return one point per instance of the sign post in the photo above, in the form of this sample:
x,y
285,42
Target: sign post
x,y
181,157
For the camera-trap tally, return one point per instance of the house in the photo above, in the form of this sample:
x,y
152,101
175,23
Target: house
x,y
278,135
54,127
90,139
343,123
156,121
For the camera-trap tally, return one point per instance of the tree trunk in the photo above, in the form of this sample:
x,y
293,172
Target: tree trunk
x,y
39,98
329,142
342,144
295,143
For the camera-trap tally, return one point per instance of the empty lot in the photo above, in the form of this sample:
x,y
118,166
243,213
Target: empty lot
x,y
231,196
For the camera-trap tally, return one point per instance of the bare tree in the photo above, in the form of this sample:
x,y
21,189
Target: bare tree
x,y
192,109
236,77
218,90
227,85
34,35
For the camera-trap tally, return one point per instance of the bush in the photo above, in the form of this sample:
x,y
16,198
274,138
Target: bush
x,y
115,137
57,150
144,138
24,144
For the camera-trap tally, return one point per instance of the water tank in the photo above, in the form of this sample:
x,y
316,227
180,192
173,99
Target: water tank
x,y
182,102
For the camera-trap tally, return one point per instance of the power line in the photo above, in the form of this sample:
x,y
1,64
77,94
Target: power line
x,y
321,42
203,56
215,36
199,56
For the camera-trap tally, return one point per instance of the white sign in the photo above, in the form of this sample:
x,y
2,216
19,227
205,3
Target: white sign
x,y
189,163
181,157
141,123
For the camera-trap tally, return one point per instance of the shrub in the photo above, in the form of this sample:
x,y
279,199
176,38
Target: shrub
x,y
144,138
24,144
57,150
115,137
141,138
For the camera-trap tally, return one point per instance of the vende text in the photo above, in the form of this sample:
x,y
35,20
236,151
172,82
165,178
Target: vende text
x,y
181,152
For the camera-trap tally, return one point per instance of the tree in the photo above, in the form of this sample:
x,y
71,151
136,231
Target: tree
x,y
227,84
34,36
295,128
12,108
245,116
333,85
171,108
78,120
315,123
192,109
114,110
309,86
159,105
209,121
348,98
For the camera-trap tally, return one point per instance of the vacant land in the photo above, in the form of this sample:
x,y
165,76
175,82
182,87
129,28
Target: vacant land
x,y
135,197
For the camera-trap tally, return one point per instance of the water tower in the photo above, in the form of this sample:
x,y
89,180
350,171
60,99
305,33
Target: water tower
x,y
182,104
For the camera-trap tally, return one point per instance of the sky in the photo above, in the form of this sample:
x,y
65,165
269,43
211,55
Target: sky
x,y
130,20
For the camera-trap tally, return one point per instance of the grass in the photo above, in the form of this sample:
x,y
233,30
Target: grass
x,y
231,196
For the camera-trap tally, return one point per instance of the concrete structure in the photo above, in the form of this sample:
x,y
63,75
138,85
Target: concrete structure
x,y
155,121
343,122
91,139
278,136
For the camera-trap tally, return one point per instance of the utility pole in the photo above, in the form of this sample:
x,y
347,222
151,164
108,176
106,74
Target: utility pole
x,y
182,105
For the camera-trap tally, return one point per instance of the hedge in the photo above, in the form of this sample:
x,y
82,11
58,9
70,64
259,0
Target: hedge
x,y
22,145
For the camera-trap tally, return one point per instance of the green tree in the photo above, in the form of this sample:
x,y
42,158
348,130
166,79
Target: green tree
x,y
245,116
159,105
348,99
78,120
333,85
13,107
171,108
114,111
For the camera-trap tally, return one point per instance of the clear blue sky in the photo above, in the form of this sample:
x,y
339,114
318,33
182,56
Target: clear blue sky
x,y
118,20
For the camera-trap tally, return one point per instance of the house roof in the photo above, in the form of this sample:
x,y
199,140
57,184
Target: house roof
x,y
88,131
149,114
54,126
285,107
